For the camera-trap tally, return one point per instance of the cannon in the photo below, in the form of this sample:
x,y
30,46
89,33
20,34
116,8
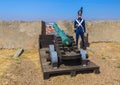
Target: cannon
x,y
65,47
65,39
59,54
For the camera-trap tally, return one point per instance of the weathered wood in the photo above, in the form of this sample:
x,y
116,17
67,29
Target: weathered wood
x,y
45,40
96,71
46,75
19,52
43,32
73,73
63,69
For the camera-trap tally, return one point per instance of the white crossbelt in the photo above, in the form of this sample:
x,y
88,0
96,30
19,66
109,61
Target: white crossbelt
x,y
80,23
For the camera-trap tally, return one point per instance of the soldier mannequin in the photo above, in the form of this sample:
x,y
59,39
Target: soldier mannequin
x,y
79,25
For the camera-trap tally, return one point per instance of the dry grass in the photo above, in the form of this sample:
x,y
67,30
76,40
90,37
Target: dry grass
x,y
26,69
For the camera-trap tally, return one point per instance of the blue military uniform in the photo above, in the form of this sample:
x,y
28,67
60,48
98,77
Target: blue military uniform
x,y
80,30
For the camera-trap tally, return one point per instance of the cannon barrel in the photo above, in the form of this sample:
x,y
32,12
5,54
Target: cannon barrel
x,y
65,39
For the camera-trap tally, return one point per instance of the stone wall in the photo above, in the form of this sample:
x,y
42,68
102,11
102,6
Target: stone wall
x,y
99,31
104,31
19,34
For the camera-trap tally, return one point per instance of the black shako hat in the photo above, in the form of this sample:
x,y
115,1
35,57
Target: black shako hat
x,y
80,11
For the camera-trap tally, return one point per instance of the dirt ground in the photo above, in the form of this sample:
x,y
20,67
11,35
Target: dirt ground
x,y
26,69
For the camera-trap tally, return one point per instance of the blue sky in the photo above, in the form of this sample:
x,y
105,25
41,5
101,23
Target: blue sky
x,y
54,10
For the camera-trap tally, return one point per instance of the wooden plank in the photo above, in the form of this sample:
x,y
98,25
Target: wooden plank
x,y
48,70
19,52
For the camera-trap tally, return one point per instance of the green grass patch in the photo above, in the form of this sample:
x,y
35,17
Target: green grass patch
x,y
118,65
17,61
103,58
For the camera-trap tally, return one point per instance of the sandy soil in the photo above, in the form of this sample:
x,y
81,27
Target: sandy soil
x,y
26,69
